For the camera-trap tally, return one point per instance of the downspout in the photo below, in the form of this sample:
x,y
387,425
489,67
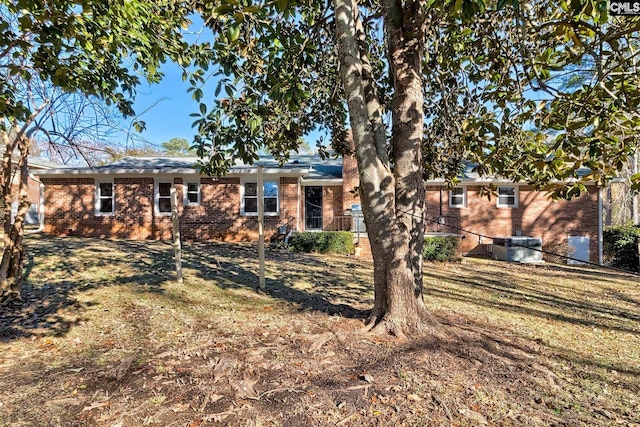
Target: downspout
x,y
41,227
600,234
298,205
40,209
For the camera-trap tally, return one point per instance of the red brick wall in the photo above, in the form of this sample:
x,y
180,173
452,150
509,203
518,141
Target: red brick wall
x,y
536,215
350,182
332,207
33,191
70,210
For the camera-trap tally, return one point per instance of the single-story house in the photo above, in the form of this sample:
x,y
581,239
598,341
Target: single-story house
x,y
130,199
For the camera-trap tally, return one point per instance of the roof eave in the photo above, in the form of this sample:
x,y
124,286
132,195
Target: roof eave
x,y
322,181
234,172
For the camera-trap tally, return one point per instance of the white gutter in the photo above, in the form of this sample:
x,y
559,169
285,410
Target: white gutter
x,y
478,181
600,234
322,182
67,173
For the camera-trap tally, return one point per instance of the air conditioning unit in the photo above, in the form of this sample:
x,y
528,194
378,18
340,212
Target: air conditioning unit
x,y
518,249
357,219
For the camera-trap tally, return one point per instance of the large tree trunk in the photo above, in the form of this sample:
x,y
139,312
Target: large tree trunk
x,y
392,197
13,251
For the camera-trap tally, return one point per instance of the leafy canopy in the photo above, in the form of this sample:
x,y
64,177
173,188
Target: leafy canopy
x,y
93,47
532,91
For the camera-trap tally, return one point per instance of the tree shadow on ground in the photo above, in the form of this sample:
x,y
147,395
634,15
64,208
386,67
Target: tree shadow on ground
x,y
521,298
85,264
236,266
527,298
81,265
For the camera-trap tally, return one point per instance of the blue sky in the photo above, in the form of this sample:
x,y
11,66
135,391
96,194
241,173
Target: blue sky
x,y
165,108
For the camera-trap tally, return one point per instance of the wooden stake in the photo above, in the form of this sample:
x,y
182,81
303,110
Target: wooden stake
x,y
177,247
260,186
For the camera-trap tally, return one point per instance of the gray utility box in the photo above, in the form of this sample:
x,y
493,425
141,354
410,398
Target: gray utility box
x,y
517,249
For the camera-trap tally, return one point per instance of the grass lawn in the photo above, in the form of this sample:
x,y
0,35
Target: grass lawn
x,y
107,338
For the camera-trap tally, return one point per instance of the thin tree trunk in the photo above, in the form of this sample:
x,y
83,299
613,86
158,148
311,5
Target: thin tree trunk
x,y
13,251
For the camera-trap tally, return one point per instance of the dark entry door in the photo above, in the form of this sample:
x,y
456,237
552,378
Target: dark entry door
x,y
313,208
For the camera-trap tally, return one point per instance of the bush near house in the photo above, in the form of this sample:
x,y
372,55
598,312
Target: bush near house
x,y
337,242
441,248
621,246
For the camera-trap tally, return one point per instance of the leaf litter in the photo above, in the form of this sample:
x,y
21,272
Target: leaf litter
x,y
125,346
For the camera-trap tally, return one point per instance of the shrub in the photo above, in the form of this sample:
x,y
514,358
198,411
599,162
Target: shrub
x,y
336,242
441,248
621,246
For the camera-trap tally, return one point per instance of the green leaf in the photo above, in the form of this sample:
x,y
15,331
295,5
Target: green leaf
x,y
233,33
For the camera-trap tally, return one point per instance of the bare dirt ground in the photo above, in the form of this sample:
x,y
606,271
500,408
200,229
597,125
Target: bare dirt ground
x,y
106,338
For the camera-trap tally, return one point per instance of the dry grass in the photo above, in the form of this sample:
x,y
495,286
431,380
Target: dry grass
x,y
107,338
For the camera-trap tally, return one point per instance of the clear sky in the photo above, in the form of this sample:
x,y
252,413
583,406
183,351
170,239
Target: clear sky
x,y
165,108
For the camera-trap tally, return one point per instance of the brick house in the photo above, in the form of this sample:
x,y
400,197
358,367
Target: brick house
x,y
130,199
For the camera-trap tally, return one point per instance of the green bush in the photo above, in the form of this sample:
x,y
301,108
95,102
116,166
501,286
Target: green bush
x,y
621,246
336,242
441,248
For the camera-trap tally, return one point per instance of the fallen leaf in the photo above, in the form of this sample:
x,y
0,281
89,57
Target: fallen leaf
x,y
215,397
319,341
64,401
222,368
124,366
476,418
414,397
95,405
217,417
179,407
366,377
244,388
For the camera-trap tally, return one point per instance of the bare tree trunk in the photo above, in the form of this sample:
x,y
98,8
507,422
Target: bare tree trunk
x,y
14,251
392,198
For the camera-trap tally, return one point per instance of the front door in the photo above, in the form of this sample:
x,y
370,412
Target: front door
x,y
313,208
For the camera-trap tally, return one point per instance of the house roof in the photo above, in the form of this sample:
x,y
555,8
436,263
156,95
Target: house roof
x,y
311,168
308,166
37,163
468,175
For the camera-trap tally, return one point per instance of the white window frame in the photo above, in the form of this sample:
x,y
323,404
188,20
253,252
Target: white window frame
x,y
188,202
242,197
156,196
464,198
515,197
100,197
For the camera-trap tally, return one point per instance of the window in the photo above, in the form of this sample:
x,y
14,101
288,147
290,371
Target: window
x,y
192,193
163,198
250,198
458,197
507,197
104,198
